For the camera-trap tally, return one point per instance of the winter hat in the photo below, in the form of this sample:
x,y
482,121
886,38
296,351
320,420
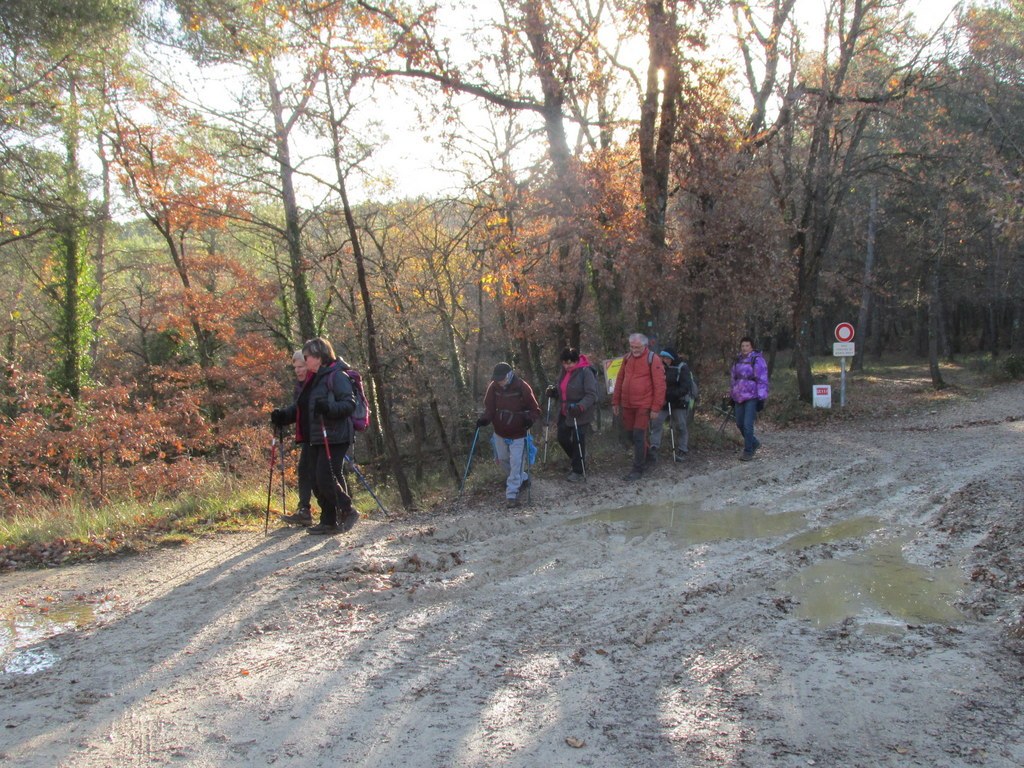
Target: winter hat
x,y
669,353
501,371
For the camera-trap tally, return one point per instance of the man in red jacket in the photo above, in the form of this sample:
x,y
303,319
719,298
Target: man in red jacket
x,y
638,396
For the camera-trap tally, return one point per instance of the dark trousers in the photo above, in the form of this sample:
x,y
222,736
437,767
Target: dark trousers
x,y
327,482
576,451
305,475
635,422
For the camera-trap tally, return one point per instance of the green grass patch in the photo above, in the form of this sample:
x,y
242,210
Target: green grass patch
x,y
71,531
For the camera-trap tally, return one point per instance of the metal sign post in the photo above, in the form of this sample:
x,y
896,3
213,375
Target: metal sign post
x,y
843,348
842,382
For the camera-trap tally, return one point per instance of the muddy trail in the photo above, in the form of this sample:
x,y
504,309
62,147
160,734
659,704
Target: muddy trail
x,y
853,597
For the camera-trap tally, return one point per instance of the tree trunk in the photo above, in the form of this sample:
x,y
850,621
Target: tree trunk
x,y
866,292
71,292
659,117
934,321
100,255
372,353
409,338
292,229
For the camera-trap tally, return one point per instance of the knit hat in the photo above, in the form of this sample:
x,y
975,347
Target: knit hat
x,y
501,371
669,353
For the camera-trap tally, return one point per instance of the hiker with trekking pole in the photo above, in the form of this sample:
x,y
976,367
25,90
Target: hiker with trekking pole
x,y
322,412
577,394
280,417
298,414
680,394
511,406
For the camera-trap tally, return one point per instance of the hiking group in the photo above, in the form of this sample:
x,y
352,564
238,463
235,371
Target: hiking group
x,y
652,388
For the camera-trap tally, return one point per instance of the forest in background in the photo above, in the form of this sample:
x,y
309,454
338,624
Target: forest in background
x,y
188,190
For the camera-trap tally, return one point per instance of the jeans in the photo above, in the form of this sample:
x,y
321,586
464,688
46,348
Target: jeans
x,y
746,412
679,418
510,455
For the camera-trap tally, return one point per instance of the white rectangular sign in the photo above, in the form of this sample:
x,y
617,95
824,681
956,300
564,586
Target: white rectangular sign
x,y
822,396
842,349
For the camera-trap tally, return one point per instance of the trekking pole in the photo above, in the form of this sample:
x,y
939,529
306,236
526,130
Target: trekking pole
x,y
469,461
672,431
280,440
547,426
727,412
363,480
327,448
270,484
579,446
526,454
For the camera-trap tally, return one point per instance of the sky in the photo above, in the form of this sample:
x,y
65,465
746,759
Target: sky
x,y
416,160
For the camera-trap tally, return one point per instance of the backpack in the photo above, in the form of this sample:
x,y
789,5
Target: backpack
x,y
681,383
361,415
693,392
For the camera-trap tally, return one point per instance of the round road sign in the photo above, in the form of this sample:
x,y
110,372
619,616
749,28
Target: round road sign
x,y
844,332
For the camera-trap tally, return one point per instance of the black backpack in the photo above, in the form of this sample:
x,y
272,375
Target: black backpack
x,y
680,384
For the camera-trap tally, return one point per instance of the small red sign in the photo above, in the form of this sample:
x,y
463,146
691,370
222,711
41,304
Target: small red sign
x,y
844,332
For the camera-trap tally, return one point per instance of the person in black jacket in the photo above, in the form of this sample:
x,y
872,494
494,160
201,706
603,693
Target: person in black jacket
x,y
679,395
331,403
577,393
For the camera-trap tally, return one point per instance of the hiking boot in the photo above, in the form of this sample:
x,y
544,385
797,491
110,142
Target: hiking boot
x,y
575,477
681,455
512,503
636,474
652,455
324,529
348,520
524,484
300,517
746,456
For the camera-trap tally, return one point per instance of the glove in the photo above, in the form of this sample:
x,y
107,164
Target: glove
x,y
527,423
574,410
551,392
278,417
760,405
482,422
321,407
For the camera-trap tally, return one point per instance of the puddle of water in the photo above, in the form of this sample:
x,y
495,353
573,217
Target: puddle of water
x,y
23,634
852,528
30,661
687,523
876,581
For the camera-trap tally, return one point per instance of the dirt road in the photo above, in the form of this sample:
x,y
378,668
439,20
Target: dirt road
x,y
853,597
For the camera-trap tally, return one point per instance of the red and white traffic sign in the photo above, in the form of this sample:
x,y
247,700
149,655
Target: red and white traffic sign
x,y
844,332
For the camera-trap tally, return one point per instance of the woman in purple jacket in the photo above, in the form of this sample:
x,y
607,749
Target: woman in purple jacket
x,y
749,391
